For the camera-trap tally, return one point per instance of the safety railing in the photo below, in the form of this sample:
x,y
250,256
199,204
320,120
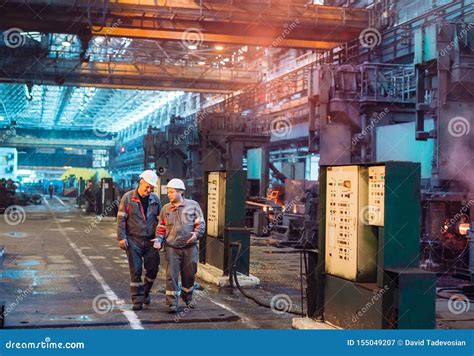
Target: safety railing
x,y
392,82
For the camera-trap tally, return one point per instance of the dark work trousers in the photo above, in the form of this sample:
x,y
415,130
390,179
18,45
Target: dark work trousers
x,y
140,252
184,261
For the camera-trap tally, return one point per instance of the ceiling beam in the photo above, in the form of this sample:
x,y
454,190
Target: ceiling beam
x,y
63,102
125,75
174,35
25,142
294,24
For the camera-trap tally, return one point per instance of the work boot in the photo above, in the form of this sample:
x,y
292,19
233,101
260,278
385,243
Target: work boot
x,y
137,306
190,305
147,300
172,309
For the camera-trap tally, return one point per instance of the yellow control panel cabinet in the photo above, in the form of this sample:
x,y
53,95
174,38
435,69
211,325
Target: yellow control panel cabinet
x,y
376,212
351,248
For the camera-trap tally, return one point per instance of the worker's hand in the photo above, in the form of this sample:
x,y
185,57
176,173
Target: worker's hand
x,y
123,244
157,244
192,239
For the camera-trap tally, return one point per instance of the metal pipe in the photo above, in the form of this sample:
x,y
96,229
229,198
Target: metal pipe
x,y
363,146
257,204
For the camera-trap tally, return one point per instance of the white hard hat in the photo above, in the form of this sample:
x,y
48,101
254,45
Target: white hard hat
x,y
176,184
150,177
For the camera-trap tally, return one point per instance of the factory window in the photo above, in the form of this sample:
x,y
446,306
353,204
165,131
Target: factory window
x,y
100,158
75,151
313,173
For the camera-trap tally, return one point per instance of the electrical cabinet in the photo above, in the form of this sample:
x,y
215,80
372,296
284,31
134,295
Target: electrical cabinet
x,y
107,197
376,210
225,216
369,246
215,203
350,247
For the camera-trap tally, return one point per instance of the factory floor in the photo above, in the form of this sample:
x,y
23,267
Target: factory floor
x,y
63,269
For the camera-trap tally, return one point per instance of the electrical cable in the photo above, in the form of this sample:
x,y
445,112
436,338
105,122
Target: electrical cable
x,y
301,283
453,289
251,297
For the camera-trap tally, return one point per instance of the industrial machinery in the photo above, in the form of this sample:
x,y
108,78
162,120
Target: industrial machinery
x,y
213,143
81,186
409,99
8,174
293,213
172,152
226,138
108,205
404,97
8,163
367,272
203,142
444,59
225,212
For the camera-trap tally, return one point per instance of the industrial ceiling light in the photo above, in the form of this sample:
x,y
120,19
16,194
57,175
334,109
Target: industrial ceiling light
x,y
2,118
219,47
29,90
66,42
192,47
201,63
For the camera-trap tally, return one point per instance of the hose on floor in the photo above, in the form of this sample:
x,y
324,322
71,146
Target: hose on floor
x,y
455,290
233,273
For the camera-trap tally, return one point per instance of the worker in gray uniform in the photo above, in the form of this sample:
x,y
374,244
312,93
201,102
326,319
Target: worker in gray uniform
x,y
137,219
181,225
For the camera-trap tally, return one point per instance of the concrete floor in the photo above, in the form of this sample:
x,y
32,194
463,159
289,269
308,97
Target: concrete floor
x,y
63,269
